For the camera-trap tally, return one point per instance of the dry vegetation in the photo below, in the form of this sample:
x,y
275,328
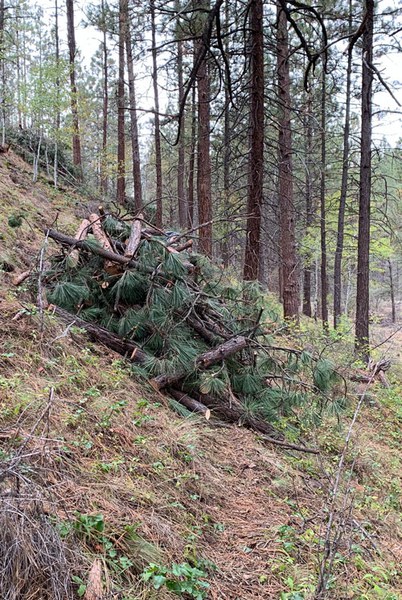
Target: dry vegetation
x,y
95,467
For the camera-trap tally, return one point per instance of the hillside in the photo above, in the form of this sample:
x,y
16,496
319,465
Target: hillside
x,y
101,481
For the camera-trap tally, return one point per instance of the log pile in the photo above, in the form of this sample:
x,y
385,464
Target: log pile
x,y
142,292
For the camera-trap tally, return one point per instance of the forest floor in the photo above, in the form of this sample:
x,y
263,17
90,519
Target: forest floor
x,y
101,481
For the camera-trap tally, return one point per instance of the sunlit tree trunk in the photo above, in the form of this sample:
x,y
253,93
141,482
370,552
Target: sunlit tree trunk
x,y
121,142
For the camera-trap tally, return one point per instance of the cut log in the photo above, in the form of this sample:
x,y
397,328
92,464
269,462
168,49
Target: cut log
x,y
21,277
187,246
190,403
98,232
100,235
81,234
205,360
135,237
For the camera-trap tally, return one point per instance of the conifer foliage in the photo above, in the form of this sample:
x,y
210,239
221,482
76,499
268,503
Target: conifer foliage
x,y
195,331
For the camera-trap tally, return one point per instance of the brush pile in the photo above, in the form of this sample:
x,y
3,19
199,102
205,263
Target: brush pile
x,y
189,331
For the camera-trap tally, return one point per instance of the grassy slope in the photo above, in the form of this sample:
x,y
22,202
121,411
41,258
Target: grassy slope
x,y
79,437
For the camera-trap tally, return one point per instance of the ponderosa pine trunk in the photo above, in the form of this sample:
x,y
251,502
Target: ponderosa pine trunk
x,y
307,271
105,105
323,216
344,187
204,159
72,50
135,146
157,133
290,287
191,162
256,145
121,142
181,195
363,246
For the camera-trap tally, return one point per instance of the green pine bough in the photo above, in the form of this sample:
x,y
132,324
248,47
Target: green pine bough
x,y
186,328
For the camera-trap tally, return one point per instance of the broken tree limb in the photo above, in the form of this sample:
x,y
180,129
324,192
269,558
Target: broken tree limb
x,y
190,403
67,240
135,237
100,334
203,361
230,409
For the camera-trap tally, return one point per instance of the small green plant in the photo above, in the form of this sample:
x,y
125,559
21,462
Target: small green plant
x,y
179,579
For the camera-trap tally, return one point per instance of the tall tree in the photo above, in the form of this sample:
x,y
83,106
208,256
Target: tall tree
x,y
77,158
204,158
181,196
288,257
121,132
344,184
105,103
323,217
135,146
157,133
256,160
363,247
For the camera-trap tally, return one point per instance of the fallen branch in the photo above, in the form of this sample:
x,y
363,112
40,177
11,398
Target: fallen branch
x,y
205,360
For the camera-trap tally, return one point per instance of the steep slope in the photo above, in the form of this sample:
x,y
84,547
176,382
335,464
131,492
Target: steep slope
x,y
100,480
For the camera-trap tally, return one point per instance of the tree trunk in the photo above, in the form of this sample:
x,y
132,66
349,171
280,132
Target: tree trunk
x,y
121,146
344,188
286,201
58,116
307,271
323,219
105,107
191,163
2,74
135,146
204,159
392,291
77,159
158,153
256,160
184,221
363,248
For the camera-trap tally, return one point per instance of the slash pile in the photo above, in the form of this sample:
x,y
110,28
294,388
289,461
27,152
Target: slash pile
x,y
204,340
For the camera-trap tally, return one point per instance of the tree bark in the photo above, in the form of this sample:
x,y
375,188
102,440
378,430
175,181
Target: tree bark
x,y
158,152
135,237
184,221
288,258
309,203
344,187
105,106
392,291
256,161
135,146
121,149
204,159
363,247
77,158
323,217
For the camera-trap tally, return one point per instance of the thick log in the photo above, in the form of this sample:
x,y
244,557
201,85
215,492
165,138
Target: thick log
x,y
80,234
190,403
98,232
186,246
205,360
135,237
